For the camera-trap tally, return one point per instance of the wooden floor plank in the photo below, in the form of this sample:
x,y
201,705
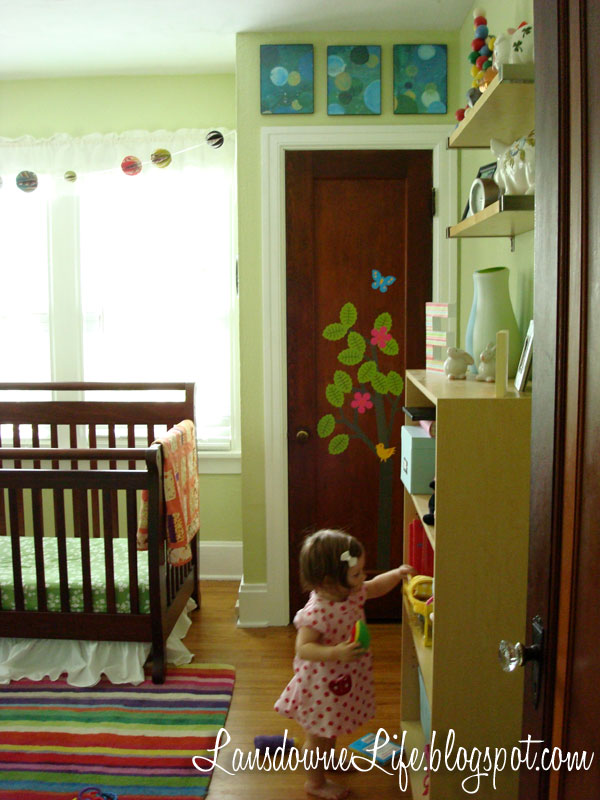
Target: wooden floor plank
x,y
263,661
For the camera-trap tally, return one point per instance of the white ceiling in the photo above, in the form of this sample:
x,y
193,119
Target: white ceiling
x,y
59,38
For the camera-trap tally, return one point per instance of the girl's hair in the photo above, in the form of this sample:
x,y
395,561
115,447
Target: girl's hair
x,y
320,558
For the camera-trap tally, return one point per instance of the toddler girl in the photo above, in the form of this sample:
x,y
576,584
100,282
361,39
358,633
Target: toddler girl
x,y
331,692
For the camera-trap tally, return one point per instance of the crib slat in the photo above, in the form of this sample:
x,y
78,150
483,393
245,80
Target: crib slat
x,y
35,441
14,496
73,443
54,441
95,502
132,551
131,441
112,443
80,499
38,543
151,436
109,562
60,532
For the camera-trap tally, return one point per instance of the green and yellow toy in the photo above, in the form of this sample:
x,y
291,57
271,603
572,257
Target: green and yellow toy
x,y
360,633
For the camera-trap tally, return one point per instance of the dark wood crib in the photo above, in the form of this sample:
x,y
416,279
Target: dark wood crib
x,y
73,469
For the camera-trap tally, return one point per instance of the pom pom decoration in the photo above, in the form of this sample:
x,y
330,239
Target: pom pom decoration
x,y
27,181
214,139
482,47
459,114
161,158
70,176
131,165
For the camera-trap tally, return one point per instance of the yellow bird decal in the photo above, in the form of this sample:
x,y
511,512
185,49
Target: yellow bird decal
x,y
384,452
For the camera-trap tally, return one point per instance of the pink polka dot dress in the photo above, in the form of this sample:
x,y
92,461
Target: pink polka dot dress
x,y
329,698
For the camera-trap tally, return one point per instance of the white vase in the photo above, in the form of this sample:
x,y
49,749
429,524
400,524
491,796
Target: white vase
x,y
495,313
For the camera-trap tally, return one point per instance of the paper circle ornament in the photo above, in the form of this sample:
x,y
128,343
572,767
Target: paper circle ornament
x,y
70,176
0,183
214,139
27,181
131,165
161,158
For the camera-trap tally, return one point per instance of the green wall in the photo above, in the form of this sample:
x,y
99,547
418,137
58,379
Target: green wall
x,y
250,122
477,253
79,106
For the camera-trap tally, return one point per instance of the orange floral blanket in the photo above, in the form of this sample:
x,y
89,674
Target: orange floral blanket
x,y
180,480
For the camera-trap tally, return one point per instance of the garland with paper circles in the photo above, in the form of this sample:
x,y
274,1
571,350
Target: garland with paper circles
x,y
482,71
27,180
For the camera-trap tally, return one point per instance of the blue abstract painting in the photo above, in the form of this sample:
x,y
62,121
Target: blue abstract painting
x,y
286,79
353,79
420,79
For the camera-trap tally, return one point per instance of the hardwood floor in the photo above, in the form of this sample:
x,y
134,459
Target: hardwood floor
x,y
263,661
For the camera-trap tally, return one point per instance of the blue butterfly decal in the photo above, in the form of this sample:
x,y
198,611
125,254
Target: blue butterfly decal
x,y
380,282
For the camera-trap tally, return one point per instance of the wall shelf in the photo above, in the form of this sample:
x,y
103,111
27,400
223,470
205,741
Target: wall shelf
x,y
510,215
505,111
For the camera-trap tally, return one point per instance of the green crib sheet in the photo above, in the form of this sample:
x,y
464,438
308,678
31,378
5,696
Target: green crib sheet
x,y
121,572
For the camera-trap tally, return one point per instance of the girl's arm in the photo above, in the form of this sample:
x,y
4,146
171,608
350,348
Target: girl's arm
x,y
384,583
309,647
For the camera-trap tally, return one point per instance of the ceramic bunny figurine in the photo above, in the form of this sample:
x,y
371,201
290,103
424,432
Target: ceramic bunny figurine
x,y
486,371
455,366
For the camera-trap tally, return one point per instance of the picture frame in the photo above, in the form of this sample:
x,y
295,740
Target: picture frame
x,y
353,79
485,171
287,79
524,367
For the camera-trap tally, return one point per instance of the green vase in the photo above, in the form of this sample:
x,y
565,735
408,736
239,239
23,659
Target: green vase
x,y
495,313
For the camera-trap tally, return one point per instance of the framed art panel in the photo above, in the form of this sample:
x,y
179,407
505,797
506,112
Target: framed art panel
x,y
353,79
420,79
286,79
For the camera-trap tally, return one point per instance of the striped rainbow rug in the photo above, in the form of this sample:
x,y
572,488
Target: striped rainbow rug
x,y
136,742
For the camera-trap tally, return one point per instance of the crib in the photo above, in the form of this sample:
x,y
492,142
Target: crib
x,y
72,468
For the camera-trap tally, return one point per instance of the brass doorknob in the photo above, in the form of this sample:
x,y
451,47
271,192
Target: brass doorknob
x,y
302,435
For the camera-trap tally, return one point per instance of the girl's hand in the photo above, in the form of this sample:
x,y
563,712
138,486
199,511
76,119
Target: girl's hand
x,y
347,651
406,571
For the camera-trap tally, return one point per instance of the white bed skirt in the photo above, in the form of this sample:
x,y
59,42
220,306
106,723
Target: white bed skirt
x,y
84,663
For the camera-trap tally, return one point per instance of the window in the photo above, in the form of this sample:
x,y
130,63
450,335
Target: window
x,y
124,277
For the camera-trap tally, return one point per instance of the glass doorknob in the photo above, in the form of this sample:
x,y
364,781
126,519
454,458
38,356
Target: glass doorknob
x,y
517,655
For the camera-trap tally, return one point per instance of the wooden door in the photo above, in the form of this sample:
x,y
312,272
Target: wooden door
x,y
565,506
358,239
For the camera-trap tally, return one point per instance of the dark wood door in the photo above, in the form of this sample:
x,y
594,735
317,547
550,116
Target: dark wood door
x,y
565,506
358,242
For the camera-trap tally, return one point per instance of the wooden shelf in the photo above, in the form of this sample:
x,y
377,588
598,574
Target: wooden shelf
x,y
509,216
505,111
414,740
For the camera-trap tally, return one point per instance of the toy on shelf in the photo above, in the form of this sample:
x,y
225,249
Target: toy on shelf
x,y
419,593
481,58
486,371
429,518
360,633
514,47
515,170
456,363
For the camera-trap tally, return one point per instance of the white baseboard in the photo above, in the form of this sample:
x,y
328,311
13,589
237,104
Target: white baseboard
x,y
221,561
254,610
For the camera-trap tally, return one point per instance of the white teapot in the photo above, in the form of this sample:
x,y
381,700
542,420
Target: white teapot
x,y
515,170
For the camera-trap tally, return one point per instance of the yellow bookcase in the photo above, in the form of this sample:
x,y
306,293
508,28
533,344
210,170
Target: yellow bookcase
x,y
480,539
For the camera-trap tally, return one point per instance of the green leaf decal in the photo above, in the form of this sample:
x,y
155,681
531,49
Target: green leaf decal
x,y
380,383
395,383
338,444
326,425
334,395
366,372
350,357
356,341
348,315
334,332
342,380
383,319
391,348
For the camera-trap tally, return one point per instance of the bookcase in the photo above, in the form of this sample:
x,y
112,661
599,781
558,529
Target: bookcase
x,y
480,540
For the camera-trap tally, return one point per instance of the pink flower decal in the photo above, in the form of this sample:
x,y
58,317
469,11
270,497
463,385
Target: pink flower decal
x,y
362,402
380,336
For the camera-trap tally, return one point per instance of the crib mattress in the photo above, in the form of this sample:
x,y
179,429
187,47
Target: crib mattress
x,y
74,568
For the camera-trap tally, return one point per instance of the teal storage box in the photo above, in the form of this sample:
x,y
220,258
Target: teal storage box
x,y
417,465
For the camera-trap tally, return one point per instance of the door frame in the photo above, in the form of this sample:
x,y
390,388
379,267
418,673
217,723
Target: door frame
x,y
274,610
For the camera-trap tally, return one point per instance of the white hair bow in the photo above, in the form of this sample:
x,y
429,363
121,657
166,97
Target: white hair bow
x,y
352,560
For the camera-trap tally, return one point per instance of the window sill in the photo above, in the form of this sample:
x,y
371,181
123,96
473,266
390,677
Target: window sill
x,y
215,463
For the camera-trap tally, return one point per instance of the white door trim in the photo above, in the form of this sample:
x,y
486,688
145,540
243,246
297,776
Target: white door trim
x,y
274,142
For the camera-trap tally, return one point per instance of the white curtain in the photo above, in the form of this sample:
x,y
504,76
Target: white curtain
x,y
122,277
